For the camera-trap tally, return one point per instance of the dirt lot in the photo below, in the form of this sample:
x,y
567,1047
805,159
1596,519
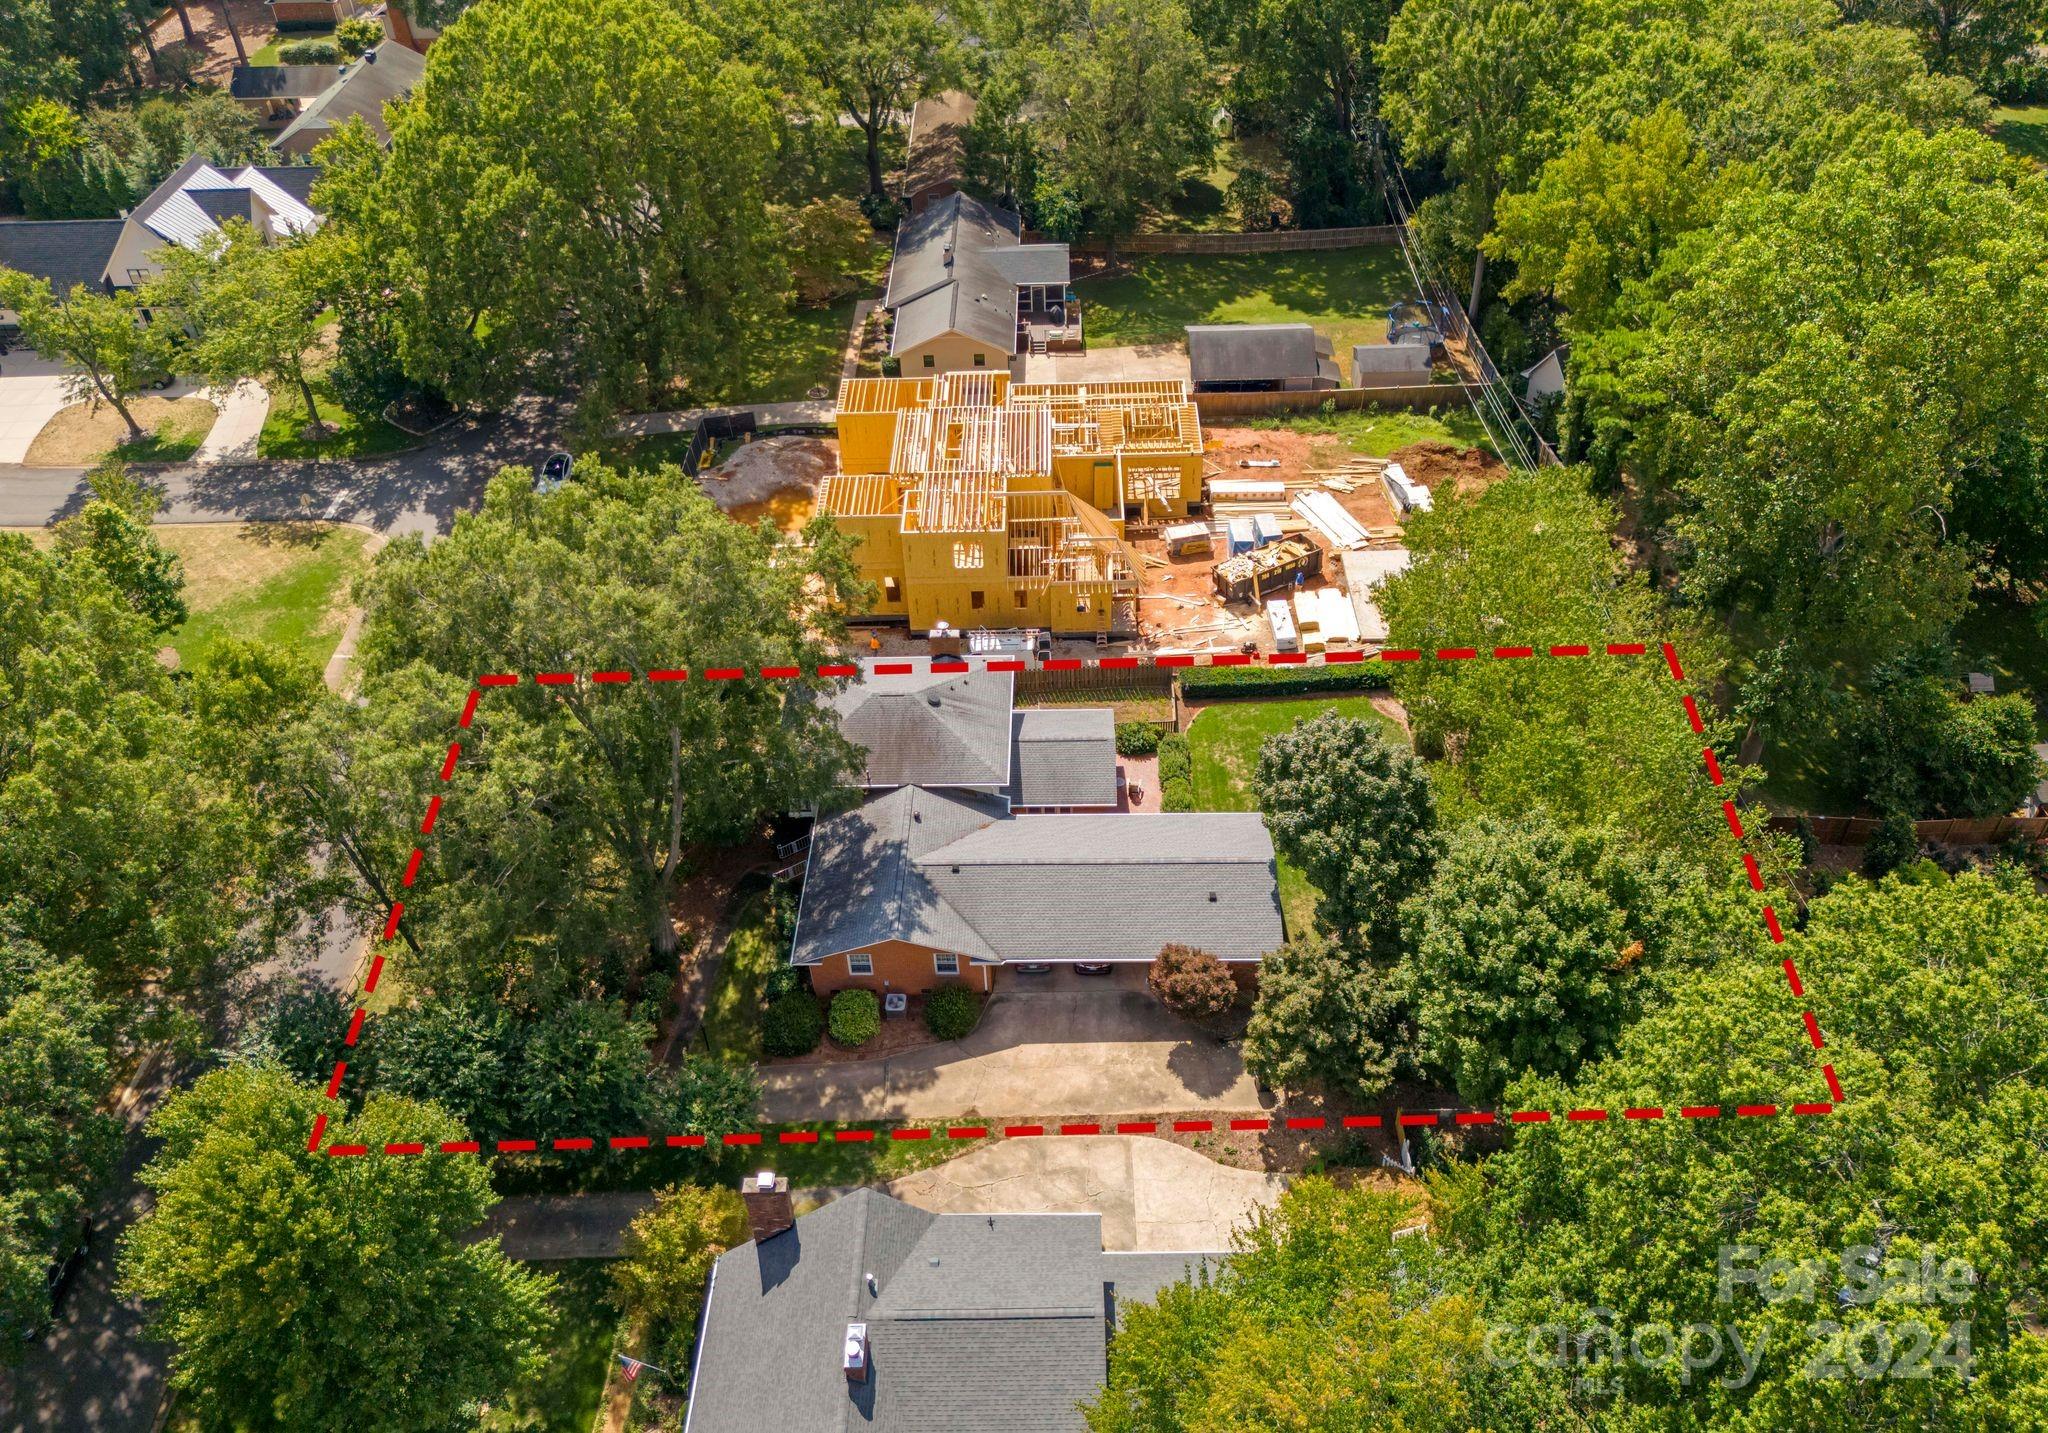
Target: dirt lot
x,y
773,477
1445,467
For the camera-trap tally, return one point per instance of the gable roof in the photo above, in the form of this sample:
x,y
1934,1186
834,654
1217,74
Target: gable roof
x,y
977,1324
263,82
197,199
64,252
383,74
941,278
956,872
1252,352
928,729
937,149
1063,756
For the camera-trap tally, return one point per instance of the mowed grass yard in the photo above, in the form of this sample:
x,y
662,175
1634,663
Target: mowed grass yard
x,y
1377,432
1224,741
1345,293
2023,129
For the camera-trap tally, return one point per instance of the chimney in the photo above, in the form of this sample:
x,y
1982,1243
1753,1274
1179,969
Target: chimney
x,y
769,1210
949,256
854,1359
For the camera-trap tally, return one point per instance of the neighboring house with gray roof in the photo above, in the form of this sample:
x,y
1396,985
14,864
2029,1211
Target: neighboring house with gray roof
x,y
383,75
961,731
62,252
870,1314
919,888
1260,357
963,288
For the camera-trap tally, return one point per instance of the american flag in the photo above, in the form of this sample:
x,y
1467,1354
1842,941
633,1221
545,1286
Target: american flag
x,y
633,1366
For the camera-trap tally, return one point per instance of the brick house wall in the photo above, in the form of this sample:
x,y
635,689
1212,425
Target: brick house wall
x,y
896,967
308,14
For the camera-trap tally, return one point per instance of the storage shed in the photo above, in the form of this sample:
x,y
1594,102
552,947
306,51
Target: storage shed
x,y
1260,358
1389,365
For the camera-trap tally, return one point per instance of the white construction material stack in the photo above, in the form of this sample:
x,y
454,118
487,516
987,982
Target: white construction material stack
x,y
1247,490
1404,492
1327,516
1339,622
1285,639
1308,617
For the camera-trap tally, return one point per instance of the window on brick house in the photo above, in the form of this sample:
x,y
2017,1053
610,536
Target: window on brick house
x,y
946,964
860,963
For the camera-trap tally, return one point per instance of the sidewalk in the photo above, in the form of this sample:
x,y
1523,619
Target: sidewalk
x,y
242,411
768,415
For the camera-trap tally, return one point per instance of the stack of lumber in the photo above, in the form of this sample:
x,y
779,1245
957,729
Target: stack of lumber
x,y
1327,516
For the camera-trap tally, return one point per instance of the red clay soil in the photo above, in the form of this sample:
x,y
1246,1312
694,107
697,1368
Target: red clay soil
x,y
210,31
1464,470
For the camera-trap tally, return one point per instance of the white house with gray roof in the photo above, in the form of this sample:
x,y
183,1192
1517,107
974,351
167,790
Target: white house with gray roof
x,y
965,292
870,1314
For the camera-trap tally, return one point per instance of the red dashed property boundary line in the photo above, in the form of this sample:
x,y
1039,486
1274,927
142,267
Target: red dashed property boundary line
x,y
855,1135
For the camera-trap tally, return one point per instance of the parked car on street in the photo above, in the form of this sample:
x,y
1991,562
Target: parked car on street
x,y
553,473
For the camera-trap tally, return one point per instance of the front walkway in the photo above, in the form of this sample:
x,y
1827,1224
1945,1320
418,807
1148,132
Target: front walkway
x,y
1151,1193
242,411
804,412
1102,1052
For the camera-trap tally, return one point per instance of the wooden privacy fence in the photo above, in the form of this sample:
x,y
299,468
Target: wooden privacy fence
x,y
1244,405
1272,241
1980,831
1106,684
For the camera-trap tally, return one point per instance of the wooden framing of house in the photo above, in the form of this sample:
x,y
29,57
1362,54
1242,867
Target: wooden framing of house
x,y
979,502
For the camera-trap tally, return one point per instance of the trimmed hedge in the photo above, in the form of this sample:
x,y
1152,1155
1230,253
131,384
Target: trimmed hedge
x,y
1176,773
856,1017
1283,681
793,1025
309,52
1136,738
951,1011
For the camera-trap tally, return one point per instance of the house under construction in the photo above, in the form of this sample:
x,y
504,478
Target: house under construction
x,y
980,502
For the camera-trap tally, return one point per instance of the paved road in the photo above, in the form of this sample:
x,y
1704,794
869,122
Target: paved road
x,y
417,492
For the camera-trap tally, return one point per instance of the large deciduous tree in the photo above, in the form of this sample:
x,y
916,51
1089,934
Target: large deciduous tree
x,y
1128,102
876,58
114,355
578,196
325,1293
633,572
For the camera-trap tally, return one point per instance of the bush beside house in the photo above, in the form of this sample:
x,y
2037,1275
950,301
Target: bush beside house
x,y
951,1011
1192,983
793,1025
856,1018
1176,773
1136,738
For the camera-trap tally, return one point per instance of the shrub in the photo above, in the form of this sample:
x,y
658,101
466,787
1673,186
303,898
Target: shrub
x,y
951,1011
1369,676
1136,738
309,52
891,366
1894,843
669,1250
1192,983
793,1025
856,1017
1176,773
356,35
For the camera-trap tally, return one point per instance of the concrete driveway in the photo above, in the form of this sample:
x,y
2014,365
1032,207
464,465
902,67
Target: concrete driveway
x,y
1100,1052
32,392
1151,1194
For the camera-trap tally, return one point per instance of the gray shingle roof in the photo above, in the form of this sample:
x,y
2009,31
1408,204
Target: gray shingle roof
x,y
1033,263
980,1323
382,75
863,884
1063,756
941,278
1136,1276
954,873
1253,352
63,251
260,82
927,730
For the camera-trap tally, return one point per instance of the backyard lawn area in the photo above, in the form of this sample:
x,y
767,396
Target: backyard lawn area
x,y
2023,129
1345,293
352,435
564,1396
786,357
1376,432
268,54
1224,741
733,1009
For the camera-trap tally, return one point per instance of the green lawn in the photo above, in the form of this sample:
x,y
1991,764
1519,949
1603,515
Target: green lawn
x,y
268,54
2008,640
1345,293
732,1011
353,435
783,360
565,1396
284,584
1224,741
1377,431
2023,129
